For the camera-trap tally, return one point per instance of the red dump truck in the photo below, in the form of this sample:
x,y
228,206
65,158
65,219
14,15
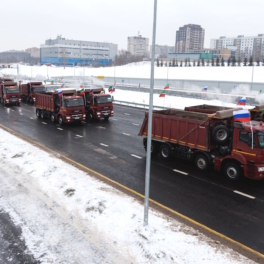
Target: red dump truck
x,y
9,92
28,91
98,104
64,108
209,136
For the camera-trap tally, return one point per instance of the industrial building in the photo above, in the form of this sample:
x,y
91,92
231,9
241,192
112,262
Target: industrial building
x,y
161,51
14,56
245,46
189,37
138,45
61,51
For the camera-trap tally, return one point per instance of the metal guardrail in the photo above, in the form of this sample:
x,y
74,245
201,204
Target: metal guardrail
x,y
145,106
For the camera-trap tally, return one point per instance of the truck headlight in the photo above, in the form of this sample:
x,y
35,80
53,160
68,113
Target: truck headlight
x,y
84,116
19,99
112,112
260,169
7,100
68,117
34,99
98,113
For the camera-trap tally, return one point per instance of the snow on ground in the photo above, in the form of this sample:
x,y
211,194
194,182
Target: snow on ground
x,y
167,101
142,70
67,216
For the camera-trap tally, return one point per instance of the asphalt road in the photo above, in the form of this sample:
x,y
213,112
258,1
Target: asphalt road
x,y
114,149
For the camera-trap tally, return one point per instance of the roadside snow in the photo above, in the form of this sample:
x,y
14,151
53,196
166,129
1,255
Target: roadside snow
x,y
142,70
67,216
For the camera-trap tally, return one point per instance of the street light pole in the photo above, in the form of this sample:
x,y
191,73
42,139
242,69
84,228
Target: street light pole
x,y
252,75
147,177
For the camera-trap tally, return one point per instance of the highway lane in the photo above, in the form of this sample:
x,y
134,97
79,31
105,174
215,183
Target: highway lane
x,y
114,149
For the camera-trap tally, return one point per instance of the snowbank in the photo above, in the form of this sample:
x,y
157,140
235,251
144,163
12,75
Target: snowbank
x,y
142,70
113,219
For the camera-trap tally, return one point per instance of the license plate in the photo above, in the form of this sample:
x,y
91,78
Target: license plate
x,y
106,114
77,117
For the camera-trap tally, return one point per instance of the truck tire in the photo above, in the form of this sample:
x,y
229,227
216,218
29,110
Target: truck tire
x,y
52,117
232,171
38,113
42,114
60,120
221,134
201,162
154,147
165,151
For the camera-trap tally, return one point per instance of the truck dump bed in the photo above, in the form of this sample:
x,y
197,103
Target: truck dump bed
x,y
182,127
208,109
45,101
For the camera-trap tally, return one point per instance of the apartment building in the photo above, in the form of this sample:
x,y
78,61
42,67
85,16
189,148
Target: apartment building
x,y
138,45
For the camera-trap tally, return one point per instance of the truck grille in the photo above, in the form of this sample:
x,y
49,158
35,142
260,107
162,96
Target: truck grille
x,y
77,116
106,112
76,111
13,99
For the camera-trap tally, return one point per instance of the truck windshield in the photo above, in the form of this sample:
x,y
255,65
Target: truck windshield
x,y
261,139
39,90
12,91
74,102
104,99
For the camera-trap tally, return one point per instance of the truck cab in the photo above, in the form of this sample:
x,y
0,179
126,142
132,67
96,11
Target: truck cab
x,y
29,90
98,104
9,92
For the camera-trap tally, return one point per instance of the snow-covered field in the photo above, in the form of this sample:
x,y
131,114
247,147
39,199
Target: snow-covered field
x,y
68,216
142,70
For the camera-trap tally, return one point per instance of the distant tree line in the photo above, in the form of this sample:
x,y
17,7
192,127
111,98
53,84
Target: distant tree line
x,y
125,57
214,62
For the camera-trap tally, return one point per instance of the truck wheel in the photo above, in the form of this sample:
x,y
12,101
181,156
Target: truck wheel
x,y
165,151
52,117
42,115
201,162
221,134
38,113
232,171
60,120
154,148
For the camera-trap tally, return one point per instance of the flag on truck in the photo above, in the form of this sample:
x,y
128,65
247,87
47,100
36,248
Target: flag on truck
x,y
45,81
167,86
241,116
162,94
242,101
52,82
81,90
62,85
204,89
60,93
3,82
110,89
91,91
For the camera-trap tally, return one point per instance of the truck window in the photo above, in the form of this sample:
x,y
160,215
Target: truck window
x,y
261,140
12,91
246,137
104,99
39,90
74,102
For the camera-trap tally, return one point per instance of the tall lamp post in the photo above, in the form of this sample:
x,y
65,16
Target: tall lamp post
x,y
147,177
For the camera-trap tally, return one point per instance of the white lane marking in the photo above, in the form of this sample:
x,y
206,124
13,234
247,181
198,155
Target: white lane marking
x,y
100,127
126,114
21,114
83,122
78,136
126,134
182,172
244,194
59,128
44,123
12,110
133,155
103,145
32,118
114,119
5,107
135,124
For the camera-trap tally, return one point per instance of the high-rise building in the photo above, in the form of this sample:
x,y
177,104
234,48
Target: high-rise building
x,y
138,45
189,37
245,46
61,51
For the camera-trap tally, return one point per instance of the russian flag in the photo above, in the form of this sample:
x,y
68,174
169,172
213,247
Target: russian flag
x,y
62,85
91,91
204,89
113,90
60,93
242,101
241,116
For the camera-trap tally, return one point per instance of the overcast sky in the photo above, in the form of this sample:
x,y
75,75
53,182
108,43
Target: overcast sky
x,y
28,23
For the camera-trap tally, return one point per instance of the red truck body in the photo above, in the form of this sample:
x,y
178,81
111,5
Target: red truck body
x,y
67,108
9,92
98,104
29,90
209,138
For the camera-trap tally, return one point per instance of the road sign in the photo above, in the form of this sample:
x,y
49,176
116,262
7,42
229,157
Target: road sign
x,y
100,77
